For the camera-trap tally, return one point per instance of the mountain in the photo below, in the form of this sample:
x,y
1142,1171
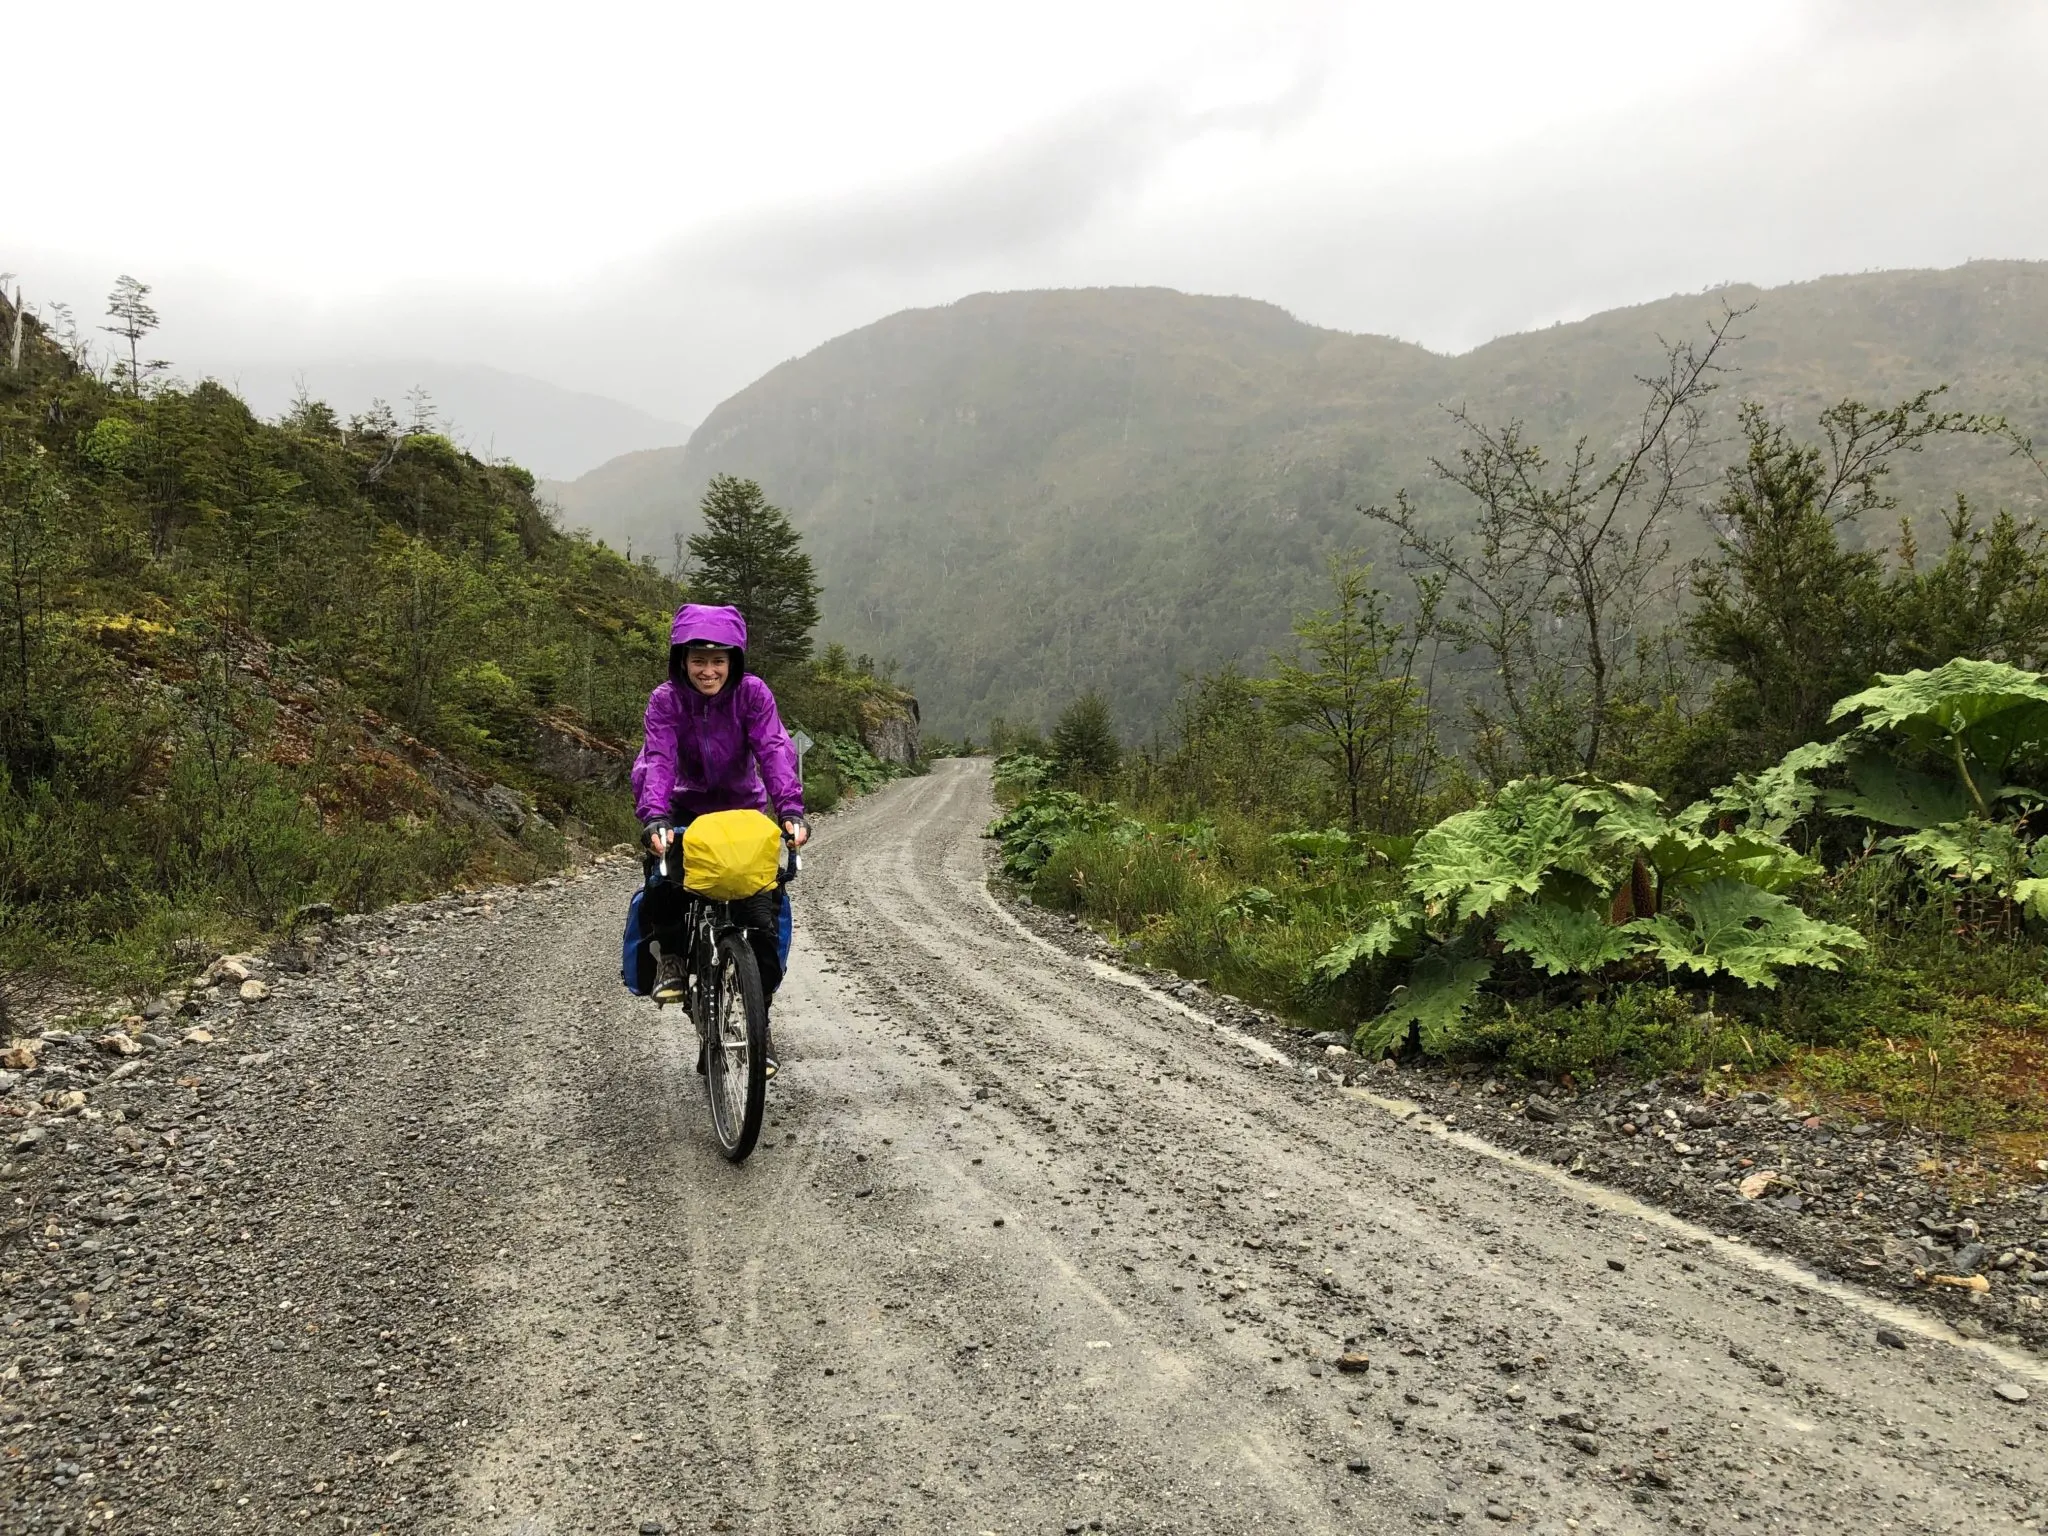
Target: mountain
x,y
495,414
1021,495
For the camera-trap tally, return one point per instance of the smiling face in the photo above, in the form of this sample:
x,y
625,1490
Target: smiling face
x,y
707,670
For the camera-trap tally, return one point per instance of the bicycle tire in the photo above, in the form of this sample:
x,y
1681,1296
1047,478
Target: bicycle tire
x,y
736,1049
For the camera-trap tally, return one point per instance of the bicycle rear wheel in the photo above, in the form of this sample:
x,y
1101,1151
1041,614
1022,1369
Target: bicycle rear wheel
x,y
736,1049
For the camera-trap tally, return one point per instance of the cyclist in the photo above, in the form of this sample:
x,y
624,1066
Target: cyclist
x,y
714,742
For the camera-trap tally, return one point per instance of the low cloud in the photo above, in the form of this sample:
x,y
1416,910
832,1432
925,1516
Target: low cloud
x,y
1865,134
1007,205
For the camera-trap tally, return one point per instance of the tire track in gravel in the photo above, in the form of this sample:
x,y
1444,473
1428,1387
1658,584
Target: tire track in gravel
x,y
1470,1229
528,1298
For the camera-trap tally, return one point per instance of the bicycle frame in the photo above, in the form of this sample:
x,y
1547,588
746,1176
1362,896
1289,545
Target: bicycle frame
x,y
725,999
710,921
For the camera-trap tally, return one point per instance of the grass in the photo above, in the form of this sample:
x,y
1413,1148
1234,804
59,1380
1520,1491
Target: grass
x,y
1976,1070
1215,901
1942,1024
1641,1028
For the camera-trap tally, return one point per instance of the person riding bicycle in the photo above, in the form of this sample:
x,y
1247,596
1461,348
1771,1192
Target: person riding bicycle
x,y
714,742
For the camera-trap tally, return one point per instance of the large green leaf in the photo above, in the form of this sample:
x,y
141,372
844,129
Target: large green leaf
x,y
1772,802
1444,984
1891,794
1332,845
1394,934
1992,710
1040,824
1469,864
1253,904
1632,820
1727,926
1968,851
1687,858
1563,939
1024,771
1396,849
2031,896
1604,797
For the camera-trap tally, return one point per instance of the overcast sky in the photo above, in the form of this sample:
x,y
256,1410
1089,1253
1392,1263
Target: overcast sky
x,y
656,202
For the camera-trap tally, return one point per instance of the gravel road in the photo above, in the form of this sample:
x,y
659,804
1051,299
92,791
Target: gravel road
x,y
1027,1247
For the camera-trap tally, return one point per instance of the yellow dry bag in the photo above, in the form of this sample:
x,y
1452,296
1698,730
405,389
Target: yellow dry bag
x,y
731,855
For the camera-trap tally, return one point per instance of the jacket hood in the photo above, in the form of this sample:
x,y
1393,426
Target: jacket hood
x,y
719,625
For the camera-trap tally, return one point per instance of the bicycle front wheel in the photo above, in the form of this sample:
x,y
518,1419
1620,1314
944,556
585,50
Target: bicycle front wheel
x,y
736,1049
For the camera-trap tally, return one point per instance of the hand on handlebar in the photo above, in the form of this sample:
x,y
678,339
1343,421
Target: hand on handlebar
x,y
797,830
659,837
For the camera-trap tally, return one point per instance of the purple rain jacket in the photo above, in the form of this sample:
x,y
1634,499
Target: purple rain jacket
x,y
714,754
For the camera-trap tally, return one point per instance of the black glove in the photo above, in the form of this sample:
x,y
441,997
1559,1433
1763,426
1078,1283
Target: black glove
x,y
659,824
797,821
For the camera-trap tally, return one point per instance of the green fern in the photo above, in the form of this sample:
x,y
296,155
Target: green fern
x,y
1725,926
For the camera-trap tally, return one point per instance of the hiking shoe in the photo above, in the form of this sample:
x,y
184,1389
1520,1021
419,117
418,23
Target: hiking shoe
x,y
669,982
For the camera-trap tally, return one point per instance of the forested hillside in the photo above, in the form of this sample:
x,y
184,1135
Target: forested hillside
x,y
250,666
1020,496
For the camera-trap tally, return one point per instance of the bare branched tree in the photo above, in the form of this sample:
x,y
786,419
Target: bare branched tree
x,y
1553,581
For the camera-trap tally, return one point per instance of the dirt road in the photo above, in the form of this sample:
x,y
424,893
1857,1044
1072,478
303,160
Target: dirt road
x,y
1025,1249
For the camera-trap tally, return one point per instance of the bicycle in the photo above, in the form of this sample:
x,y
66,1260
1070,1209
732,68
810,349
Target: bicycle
x,y
726,1001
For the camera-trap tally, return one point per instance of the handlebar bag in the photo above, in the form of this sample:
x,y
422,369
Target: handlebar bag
x,y
731,855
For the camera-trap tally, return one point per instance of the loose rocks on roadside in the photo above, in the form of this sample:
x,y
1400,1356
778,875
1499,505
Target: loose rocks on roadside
x,y
164,1274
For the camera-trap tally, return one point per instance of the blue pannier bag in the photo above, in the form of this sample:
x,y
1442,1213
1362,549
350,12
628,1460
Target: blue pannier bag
x,y
636,965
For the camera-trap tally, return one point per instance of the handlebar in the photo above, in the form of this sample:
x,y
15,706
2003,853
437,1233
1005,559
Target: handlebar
x,y
784,873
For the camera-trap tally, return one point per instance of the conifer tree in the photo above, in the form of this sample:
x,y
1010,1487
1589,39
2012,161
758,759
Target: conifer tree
x,y
1084,741
749,555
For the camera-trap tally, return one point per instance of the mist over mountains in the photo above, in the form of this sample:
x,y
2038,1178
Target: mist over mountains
x,y
493,413
1021,495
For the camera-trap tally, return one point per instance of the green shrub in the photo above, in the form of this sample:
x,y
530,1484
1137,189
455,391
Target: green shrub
x,y
858,769
1022,773
1644,1028
822,787
1038,825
